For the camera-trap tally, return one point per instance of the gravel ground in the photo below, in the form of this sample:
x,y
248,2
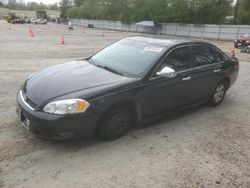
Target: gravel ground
x,y
202,147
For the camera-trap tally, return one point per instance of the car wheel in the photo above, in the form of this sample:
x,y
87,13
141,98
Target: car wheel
x,y
218,94
115,124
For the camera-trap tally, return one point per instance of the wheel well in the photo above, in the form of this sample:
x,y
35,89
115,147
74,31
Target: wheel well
x,y
129,105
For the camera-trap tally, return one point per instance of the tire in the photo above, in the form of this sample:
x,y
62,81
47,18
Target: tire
x,y
114,125
218,94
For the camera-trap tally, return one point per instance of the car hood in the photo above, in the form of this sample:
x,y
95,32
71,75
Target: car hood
x,y
245,39
64,79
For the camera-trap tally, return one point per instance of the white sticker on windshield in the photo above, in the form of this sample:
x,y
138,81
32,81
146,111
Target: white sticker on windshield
x,y
153,49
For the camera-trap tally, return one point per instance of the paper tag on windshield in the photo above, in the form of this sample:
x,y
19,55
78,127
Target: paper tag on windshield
x,y
153,49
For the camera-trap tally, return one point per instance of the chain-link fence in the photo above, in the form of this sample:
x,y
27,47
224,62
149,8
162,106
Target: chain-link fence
x,y
220,32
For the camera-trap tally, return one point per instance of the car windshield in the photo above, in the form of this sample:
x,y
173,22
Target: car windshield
x,y
128,57
246,36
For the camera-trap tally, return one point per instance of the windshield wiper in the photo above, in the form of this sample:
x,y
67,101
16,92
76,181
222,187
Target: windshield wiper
x,y
109,69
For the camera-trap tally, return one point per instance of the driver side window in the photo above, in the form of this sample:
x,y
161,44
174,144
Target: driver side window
x,y
178,59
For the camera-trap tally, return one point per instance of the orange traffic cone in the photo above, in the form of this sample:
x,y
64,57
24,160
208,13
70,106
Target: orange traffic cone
x,y
62,40
30,31
233,51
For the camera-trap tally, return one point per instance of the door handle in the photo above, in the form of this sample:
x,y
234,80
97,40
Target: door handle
x,y
186,78
217,70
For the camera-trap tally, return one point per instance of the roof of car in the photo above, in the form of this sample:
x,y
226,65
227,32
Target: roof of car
x,y
162,42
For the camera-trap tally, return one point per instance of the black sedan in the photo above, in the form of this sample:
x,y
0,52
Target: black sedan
x,y
129,82
18,21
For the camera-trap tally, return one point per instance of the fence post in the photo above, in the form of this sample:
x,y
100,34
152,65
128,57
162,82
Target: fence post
x,y
219,32
189,27
202,35
176,29
237,34
165,29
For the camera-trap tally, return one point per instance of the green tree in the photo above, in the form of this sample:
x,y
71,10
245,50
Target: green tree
x,y
244,12
78,2
127,11
64,5
1,4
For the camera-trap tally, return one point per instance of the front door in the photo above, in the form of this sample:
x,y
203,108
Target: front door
x,y
161,94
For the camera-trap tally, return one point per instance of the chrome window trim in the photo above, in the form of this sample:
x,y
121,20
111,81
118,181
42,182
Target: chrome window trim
x,y
153,77
24,101
191,69
200,67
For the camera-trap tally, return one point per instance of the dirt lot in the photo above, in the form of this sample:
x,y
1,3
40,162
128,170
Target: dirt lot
x,y
204,147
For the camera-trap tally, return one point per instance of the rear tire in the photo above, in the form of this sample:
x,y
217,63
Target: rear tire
x,y
218,94
114,125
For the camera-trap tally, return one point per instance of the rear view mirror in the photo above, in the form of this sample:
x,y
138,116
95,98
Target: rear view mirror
x,y
167,72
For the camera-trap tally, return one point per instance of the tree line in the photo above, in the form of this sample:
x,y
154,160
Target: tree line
x,y
177,11
33,6
131,11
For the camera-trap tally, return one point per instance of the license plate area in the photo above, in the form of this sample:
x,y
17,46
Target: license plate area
x,y
25,122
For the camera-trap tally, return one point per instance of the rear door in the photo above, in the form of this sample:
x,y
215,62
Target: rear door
x,y
206,65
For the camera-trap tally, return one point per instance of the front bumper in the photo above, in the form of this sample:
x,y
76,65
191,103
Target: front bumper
x,y
52,126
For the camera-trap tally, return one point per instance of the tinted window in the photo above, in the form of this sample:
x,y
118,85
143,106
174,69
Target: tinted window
x,y
246,36
202,55
218,57
178,59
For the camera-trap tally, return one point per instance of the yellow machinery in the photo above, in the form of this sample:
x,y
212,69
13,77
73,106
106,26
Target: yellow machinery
x,y
10,17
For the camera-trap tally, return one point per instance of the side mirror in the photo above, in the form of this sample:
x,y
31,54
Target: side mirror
x,y
167,72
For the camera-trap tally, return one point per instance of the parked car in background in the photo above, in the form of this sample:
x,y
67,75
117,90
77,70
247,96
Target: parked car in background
x,y
132,81
41,21
243,41
27,21
18,21
32,20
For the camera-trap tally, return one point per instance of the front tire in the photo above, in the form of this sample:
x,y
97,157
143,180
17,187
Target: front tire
x,y
114,125
218,94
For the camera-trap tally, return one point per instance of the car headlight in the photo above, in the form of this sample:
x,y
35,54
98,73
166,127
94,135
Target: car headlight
x,y
69,106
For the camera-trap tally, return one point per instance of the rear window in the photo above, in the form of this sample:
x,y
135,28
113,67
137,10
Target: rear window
x,y
202,55
218,56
